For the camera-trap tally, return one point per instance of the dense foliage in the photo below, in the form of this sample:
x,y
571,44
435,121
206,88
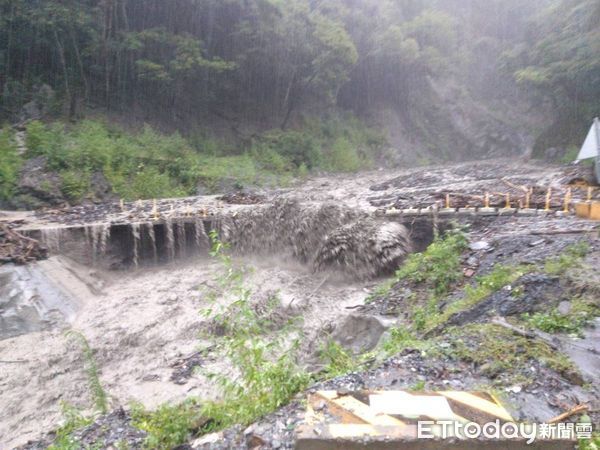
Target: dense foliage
x,y
264,60
560,61
148,164
249,66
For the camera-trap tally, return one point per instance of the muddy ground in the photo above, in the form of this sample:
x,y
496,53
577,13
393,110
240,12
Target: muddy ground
x,y
145,325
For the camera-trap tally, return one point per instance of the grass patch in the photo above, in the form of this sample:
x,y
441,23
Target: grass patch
x,y
401,339
148,164
590,444
381,290
438,267
569,259
74,420
552,322
583,311
10,164
503,352
262,386
338,360
484,286
169,425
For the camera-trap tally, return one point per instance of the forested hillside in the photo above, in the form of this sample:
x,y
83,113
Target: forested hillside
x,y
288,84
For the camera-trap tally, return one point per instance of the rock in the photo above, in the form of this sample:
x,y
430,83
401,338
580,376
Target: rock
x,y
469,273
472,261
536,243
359,333
491,370
100,187
254,441
212,438
479,245
564,308
531,293
514,389
38,185
552,153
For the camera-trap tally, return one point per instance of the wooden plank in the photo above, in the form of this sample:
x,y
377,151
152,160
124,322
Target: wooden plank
x,y
582,210
350,409
479,403
595,211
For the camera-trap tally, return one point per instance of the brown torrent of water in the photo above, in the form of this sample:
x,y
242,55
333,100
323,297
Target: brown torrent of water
x,y
321,235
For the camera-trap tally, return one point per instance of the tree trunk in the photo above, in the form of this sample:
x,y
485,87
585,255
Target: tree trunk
x,y
63,62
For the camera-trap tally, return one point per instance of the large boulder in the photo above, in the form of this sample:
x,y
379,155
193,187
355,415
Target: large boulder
x,y
38,186
359,333
530,294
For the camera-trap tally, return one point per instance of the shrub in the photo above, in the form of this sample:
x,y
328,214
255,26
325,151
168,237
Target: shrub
x,y
10,163
553,322
75,185
267,373
438,267
570,258
339,360
150,183
269,159
343,156
169,425
297,147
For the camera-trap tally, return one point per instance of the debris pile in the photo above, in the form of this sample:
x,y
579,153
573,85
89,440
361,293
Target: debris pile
x,y
19,249
242,198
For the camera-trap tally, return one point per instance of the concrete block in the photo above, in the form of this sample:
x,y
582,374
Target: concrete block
x,y
487,211
447,211
411,212
507,211
466,211
527,212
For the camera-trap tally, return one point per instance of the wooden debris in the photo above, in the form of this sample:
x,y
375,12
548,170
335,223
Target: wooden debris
x,y
573,411
17,248
501,321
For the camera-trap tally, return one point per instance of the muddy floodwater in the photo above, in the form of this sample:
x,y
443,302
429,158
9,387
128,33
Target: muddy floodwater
x,y
142,324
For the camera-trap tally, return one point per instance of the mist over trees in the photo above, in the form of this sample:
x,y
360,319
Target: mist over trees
x,y
270,60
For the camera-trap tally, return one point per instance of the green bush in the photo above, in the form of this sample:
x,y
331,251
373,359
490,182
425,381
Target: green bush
x,y
339,360
48,141
148,164
438,267
169,425
297,147
553,322
268,158
343,157
150,183
10,163
75,185
570,258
